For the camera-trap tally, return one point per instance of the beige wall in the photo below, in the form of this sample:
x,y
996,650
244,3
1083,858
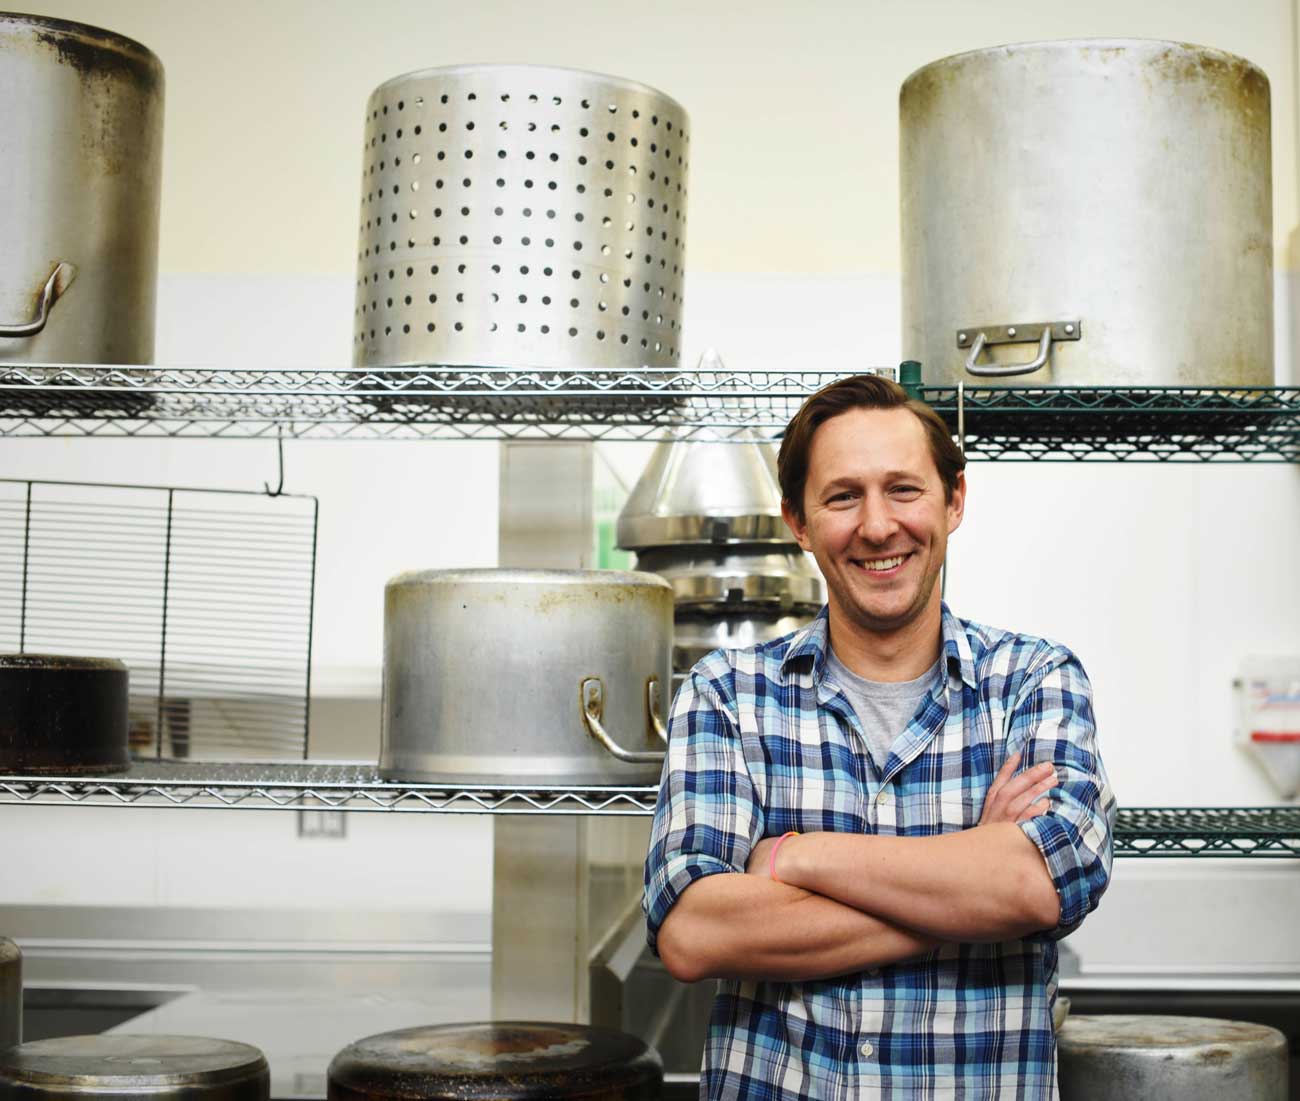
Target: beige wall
x,y
793,106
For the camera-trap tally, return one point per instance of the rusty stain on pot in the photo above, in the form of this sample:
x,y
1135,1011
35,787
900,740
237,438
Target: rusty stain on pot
x,y
121,89
95,52
1215,1056
1232,80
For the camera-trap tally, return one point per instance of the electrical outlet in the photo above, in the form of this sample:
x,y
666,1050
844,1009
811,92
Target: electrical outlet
x,y
322,823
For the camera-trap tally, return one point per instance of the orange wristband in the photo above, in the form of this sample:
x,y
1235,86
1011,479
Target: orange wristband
x,y
771,863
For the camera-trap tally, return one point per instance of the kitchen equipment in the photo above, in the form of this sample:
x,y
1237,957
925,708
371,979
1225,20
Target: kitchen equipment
x,y
695,493
707,518
521,216
80,175
11,994
162,1068
537,676
500,1060
1170,1059
205,595
767,574
697,633
62,715
1088,213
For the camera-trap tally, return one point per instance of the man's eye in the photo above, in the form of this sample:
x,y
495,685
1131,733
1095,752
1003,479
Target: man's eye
x,y
907,491
840,498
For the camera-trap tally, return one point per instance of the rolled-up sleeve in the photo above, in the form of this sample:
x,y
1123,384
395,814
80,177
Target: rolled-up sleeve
x,y
1052,720
707,814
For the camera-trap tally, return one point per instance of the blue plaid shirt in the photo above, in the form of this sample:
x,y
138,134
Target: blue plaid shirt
x,y
761,742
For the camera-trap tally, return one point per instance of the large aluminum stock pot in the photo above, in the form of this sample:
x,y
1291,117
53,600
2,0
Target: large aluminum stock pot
x,y
526,676
11,994
1088,213
80,180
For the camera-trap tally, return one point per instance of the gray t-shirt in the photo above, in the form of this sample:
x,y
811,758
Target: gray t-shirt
x,y
884,708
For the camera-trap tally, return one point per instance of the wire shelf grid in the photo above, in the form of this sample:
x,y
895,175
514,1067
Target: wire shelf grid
x,y
205,595
1180,832
1156,424
281,786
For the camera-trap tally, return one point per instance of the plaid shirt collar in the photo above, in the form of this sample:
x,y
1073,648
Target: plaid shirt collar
x,y
809,647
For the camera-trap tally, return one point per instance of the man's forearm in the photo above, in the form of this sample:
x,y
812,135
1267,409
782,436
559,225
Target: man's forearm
x,y
731,926
984,884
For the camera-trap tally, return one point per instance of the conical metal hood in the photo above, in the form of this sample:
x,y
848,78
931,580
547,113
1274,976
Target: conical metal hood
x,y
696,493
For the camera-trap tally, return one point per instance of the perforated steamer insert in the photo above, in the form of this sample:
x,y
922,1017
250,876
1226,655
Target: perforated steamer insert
x,y
524,217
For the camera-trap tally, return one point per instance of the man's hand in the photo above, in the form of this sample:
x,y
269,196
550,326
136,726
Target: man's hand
x,y
1017,798
1010,799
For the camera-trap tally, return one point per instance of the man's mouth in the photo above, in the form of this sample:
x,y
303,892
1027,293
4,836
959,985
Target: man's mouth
x,y
880,565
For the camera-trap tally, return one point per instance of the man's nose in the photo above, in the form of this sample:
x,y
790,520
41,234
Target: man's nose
x,y
876,522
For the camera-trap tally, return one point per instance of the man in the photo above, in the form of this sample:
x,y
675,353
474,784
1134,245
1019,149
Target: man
x,y
910,806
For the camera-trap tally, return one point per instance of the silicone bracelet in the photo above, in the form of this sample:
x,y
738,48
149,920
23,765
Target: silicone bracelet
x,y
771,863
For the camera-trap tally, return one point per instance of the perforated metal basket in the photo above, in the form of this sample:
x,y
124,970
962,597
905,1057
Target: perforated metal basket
x,y
516,216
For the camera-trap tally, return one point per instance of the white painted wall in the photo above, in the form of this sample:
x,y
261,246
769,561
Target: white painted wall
x,y
1161,578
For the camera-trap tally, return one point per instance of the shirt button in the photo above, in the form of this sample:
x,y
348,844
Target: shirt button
x,y
874,972
867,1050
883,799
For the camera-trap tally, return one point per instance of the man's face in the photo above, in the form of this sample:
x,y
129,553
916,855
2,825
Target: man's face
x,y
875,517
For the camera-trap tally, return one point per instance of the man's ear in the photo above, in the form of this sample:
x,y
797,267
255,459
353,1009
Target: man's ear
x,y
957,506
798,528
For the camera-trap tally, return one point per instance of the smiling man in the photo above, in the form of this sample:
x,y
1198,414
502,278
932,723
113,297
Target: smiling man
x,y
874,830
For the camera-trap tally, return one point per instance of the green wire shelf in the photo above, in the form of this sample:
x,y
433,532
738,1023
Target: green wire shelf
x,y
1159,424
1257,832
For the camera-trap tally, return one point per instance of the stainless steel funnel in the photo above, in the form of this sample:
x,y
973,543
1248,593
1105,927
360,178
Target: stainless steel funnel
x,y
705,493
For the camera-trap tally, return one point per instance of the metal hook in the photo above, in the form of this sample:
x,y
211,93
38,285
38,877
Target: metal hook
x,y
279,489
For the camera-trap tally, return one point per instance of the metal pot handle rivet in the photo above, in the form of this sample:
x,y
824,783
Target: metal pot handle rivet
x,y
60,279
592,695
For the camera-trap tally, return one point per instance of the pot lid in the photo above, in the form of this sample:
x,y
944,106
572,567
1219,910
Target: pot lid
x,y
105,1064
698,492
497,1060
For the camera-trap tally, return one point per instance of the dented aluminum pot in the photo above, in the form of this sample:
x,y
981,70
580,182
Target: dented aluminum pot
x,y
1154,1057
11,994
512,677
80,179
1088,213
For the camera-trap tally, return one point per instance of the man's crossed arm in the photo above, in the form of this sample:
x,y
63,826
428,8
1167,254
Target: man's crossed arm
x,y
845,902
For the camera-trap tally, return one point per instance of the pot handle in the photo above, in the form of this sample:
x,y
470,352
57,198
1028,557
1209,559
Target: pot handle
x,y
592,698
59,281
1042,333
653,698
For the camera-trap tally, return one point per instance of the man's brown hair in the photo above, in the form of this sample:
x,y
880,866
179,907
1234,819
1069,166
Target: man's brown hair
x,y
859,392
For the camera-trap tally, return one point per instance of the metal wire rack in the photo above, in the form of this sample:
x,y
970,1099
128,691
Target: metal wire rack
x,y
206,595
1160,424
350,787
1256,832
1209,832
